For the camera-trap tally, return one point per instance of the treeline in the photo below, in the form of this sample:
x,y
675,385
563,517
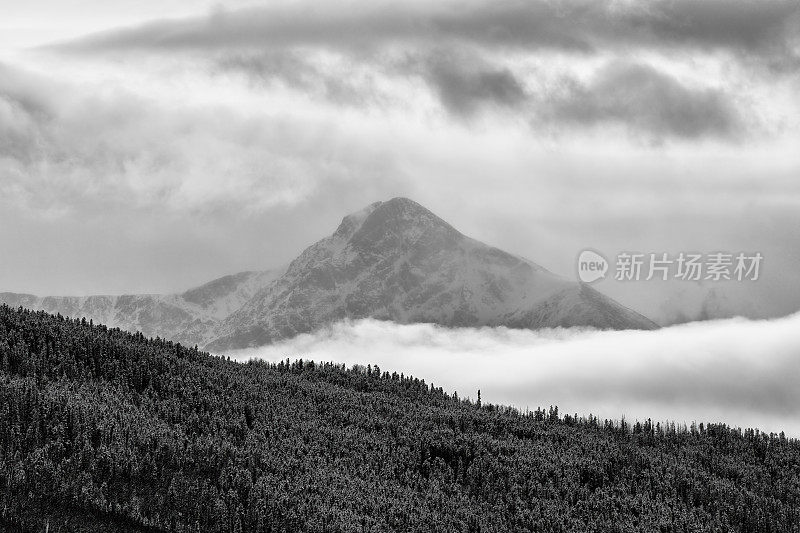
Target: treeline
x,y
102,430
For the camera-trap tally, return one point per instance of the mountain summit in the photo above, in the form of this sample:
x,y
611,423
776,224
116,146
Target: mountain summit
x,y
392,260
398,261
400,216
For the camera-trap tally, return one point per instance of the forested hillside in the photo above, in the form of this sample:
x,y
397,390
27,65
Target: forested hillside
x,y
102,430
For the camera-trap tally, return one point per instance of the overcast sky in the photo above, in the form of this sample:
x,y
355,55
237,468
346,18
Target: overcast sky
x,y
150,146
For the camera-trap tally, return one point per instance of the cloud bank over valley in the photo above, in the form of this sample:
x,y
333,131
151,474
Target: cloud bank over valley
x,y
738,371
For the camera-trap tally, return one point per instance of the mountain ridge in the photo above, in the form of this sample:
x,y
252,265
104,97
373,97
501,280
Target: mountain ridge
x,y
185,317
392,260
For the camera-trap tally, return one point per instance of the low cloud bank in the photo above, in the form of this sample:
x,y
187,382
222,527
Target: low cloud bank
x,y
738,371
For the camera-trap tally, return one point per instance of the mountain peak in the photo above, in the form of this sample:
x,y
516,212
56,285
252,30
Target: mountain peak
x,y
399,218
405,208
401,202
396,260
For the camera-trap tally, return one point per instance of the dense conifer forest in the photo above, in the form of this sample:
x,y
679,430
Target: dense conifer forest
x,y
103,430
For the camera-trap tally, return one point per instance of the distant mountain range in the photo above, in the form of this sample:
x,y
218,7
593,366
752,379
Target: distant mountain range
x,y
189,318
393,260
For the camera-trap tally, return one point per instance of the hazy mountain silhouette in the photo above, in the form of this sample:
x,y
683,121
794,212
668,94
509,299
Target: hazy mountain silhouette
x,y
189,317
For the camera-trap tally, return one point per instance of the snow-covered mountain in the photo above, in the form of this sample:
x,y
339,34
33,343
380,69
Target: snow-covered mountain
x,y
397,261
393,260
189,318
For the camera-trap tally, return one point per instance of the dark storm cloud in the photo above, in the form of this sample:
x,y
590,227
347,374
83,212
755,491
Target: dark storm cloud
x,y
332,24
768,29
642,98
646,101
465,54
463,84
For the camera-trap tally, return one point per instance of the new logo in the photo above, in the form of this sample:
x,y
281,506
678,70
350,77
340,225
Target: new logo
x,y
591,266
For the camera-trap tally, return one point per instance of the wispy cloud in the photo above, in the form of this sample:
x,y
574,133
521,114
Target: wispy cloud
x,y
736,371
69,148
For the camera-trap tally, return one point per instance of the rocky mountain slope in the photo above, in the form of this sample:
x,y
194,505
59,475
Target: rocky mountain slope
x,y
393,260
398,261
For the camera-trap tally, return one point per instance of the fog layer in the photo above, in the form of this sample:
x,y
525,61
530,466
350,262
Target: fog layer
x,y
741,372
